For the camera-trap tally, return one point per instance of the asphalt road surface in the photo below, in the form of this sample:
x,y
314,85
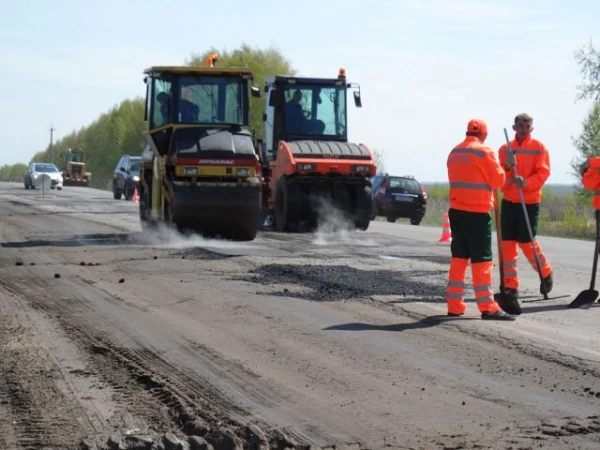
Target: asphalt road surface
x,y
111,338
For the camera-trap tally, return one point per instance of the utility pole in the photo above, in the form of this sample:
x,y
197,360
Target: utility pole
x,y
51,134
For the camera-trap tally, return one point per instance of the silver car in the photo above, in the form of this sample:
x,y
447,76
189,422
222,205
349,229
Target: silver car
x,y
37,171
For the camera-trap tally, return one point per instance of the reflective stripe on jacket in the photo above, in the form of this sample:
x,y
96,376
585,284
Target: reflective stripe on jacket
x,y
474,173
533,164
591,180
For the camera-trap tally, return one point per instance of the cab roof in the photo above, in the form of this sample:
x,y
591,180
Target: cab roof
x,y
198,70
291,80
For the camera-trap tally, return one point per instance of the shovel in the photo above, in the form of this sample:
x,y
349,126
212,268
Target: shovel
x,y
589,295
531,238
507,302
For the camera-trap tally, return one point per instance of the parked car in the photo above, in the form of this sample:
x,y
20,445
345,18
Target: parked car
x,y
36,171
126,177
398,196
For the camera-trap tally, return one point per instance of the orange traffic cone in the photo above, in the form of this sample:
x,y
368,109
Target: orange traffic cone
x,y
136,197
446,232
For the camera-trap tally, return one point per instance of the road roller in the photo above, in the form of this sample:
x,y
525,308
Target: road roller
x,y
200,170
310,169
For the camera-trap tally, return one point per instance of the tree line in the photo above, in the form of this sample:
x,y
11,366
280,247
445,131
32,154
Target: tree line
x,y
588,142
119,130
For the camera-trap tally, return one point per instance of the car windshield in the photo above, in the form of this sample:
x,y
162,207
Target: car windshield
x,y
75,157
45,168
407,184
135,167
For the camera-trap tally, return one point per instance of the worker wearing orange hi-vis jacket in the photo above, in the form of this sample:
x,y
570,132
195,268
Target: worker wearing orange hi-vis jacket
x,y
590,178
474,173
533,168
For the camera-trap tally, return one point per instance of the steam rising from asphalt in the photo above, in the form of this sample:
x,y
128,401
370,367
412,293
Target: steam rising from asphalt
x,y
165,236
335,228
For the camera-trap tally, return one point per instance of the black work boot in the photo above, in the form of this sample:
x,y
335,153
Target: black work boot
x,y
455,314
498,315
548,282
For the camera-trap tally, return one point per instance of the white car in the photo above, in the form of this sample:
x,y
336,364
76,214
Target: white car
x,y
36,172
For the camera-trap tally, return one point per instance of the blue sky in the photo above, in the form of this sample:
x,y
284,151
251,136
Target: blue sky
x,y
425,67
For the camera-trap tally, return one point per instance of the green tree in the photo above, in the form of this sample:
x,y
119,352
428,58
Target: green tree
x,y
12,172
379,156
17,171
588,59
114,133
588,142
263,62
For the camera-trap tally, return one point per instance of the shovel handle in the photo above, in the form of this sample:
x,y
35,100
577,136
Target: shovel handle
x,y
499,239
596,251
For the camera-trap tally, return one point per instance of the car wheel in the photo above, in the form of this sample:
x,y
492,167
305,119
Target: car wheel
x,y
415,221
373,211
116,195
391,219
59,188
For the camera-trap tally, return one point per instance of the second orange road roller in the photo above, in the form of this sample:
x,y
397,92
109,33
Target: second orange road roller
x,y
309,167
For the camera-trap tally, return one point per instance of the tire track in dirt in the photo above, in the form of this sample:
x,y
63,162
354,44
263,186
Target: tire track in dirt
x,y
118,366
76,315
38,411
149,387
104,341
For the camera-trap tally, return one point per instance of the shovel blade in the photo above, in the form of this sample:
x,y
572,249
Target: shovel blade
x,y
584,298
508,303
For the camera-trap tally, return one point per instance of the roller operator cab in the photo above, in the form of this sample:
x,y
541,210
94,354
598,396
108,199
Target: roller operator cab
x,y
200,171
308,164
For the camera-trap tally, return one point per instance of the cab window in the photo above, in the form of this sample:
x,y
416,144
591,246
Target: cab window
x,y
161,111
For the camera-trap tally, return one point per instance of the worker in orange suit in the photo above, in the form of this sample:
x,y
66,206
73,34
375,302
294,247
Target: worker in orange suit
x,y
474,174
533,168
590,178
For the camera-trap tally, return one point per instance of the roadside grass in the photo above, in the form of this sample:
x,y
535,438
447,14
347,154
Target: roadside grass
x,y
561,215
